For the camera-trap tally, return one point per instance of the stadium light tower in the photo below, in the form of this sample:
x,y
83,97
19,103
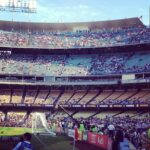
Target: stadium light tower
x,y
24,6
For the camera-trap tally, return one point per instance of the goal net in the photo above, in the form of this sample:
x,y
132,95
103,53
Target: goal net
x,y
40,125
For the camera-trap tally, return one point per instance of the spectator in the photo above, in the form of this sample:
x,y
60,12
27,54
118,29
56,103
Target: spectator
x,y
111,130
25,144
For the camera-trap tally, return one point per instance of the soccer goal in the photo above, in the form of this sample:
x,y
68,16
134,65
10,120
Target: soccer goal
x,y
40,125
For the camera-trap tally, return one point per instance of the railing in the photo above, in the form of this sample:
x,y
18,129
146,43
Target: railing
x,y
73,80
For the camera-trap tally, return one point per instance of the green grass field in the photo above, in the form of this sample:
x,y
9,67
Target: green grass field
x,y
8,131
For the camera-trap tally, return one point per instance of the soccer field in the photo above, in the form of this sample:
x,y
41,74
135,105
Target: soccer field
x,y
8,131
43,142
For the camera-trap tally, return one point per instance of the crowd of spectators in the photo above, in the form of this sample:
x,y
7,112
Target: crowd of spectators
x,y
133,128
14,119
125,102
70,39
81,65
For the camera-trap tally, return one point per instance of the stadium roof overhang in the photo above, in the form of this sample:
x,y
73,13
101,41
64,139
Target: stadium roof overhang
x,y
129,22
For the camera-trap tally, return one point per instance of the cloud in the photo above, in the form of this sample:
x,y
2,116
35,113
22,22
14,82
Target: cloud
x,y
84,7
76,13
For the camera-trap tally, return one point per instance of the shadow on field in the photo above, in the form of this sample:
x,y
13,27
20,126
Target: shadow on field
x,y
80,145
61,143
43,142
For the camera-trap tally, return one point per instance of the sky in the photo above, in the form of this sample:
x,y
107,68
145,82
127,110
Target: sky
x,y
83,11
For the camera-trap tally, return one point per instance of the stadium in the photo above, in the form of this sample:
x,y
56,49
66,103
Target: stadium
x,y
68,84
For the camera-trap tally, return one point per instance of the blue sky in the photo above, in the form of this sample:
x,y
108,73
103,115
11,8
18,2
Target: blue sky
x,y
83,10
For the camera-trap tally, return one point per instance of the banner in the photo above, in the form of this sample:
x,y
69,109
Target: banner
x,y
76,106
98,140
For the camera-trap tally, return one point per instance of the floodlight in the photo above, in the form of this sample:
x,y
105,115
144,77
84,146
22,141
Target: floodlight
x,y
27,6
